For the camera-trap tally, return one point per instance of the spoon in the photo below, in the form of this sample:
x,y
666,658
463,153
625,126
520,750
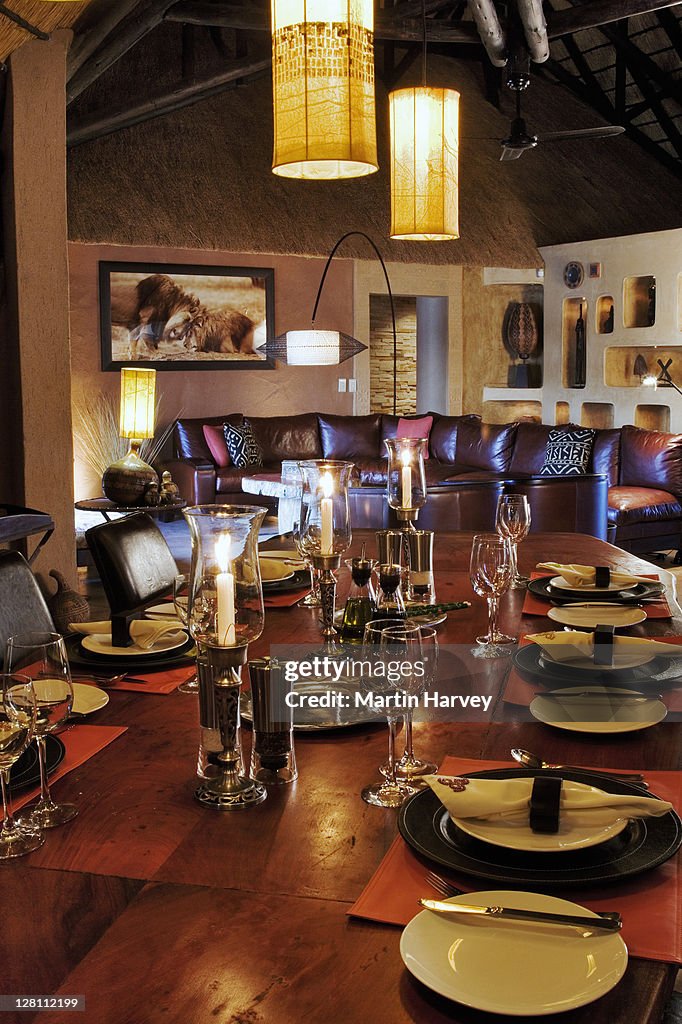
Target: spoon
x,y
530,760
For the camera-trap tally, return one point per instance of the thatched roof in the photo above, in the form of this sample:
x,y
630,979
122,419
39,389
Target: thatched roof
x,y
44,16
200,177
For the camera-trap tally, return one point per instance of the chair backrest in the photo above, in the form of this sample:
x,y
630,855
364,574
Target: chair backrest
x,y
22,605
134,562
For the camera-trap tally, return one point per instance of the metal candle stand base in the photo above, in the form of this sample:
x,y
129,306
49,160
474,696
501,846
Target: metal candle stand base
x,y
219,671
406,519
326,563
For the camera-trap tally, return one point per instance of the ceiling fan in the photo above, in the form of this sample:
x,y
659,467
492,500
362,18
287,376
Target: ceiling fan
x,y
521,139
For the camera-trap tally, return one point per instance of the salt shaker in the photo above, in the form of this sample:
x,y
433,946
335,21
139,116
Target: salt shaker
x,y
273,760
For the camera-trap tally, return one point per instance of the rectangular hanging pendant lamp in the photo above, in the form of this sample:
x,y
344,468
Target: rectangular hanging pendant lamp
x,y
323,88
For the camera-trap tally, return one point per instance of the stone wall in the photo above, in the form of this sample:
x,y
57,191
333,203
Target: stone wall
x,y
381,353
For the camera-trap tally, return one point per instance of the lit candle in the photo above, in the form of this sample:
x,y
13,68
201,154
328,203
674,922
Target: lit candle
x,y
406,488
225,593
327,516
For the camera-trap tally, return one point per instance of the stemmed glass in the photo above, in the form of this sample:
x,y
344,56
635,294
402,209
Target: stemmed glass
x,y
513,522
385,643
311,600
409,766
42,657
17,722
180,598
491,573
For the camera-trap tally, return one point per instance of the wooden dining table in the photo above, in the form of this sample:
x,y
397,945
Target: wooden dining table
x,y
156,909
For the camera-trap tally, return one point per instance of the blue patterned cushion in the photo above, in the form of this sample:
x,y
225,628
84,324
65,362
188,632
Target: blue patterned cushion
x,y
242,445
567,452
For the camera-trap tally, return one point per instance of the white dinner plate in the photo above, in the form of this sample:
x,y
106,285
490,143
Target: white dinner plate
x,y
513,967
519,836
559,581
290,554
274,571
100,643
87,699
590,618
165,610
601,712
623,657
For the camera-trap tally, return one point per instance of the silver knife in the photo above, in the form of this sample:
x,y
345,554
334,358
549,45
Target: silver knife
x,y
605,924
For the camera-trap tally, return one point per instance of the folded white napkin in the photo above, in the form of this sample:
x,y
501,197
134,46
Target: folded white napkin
x,y
584,575
145,632
509,799
572,645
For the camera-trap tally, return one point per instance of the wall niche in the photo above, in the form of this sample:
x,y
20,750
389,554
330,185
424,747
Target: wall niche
x,y
639,301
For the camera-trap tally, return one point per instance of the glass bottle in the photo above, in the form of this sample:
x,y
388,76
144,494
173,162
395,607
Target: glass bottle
x,y
361,605
390,603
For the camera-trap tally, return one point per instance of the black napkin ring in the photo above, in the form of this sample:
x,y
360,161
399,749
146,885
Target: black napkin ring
x,y
545,801
602,576
604,638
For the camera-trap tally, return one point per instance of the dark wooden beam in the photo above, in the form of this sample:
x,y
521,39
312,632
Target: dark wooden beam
x,y
673,29
394,72
641,65
200,12
620,77
86,42
600,12
101,123
117,44
573,83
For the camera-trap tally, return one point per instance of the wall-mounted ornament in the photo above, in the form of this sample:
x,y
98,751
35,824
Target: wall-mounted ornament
x,y
522,339
574,274
580,372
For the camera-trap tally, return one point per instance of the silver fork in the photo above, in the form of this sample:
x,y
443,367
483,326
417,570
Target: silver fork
x,y
447,889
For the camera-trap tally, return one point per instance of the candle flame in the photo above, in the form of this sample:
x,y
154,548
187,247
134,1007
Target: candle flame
x,y
406,456
327,485
222,552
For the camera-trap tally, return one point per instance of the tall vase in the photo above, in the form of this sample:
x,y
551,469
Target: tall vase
x,y
224,614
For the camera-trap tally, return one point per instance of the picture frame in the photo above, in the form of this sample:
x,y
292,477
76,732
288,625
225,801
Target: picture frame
x,y
171,316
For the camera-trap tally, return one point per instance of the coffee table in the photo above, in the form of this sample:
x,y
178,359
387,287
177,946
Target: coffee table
x,y
287,492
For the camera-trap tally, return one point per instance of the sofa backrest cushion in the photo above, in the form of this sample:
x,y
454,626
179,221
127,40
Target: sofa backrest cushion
x,y
214,435
650,458
190,442
443,437
287,437
351,437
606,454
529,448
485,445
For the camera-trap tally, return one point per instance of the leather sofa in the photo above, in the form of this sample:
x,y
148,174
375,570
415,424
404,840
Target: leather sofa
x,y
632,492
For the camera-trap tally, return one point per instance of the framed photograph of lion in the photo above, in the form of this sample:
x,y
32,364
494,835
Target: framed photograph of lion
x,y
176,317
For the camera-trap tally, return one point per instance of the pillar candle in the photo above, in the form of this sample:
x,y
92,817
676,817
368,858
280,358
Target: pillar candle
x,y
225,594
327,516
406,488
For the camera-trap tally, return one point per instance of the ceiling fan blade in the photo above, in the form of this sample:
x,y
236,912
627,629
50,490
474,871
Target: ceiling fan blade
x,y
512,152
605,132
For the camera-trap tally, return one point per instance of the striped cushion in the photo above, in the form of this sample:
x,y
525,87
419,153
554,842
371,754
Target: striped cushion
x,y
567,452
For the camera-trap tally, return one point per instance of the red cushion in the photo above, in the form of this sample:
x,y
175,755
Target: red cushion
x,y
215,439
416,428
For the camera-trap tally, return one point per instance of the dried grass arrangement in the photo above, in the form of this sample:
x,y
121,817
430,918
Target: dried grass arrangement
x,y
98,443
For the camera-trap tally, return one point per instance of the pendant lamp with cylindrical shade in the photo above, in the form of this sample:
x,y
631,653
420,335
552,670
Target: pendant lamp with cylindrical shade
x,y
424,125
323,88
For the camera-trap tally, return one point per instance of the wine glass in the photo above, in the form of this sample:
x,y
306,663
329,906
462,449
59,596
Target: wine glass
x,y
42,657
17,722
513,522
180,598
491,572
385,644
311,600
410,767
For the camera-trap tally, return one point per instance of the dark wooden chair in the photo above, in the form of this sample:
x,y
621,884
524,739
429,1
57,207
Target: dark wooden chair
x,y
136,567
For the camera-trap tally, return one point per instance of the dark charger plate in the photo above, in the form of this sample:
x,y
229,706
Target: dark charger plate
x,y
82,658
26,772
659,673
298,581
541,588
644,844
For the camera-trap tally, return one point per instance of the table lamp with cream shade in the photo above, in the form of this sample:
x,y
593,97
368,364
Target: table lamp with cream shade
x,y
126,481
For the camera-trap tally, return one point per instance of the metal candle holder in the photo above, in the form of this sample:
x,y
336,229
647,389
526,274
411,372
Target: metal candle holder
x,y
224,786
327,563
